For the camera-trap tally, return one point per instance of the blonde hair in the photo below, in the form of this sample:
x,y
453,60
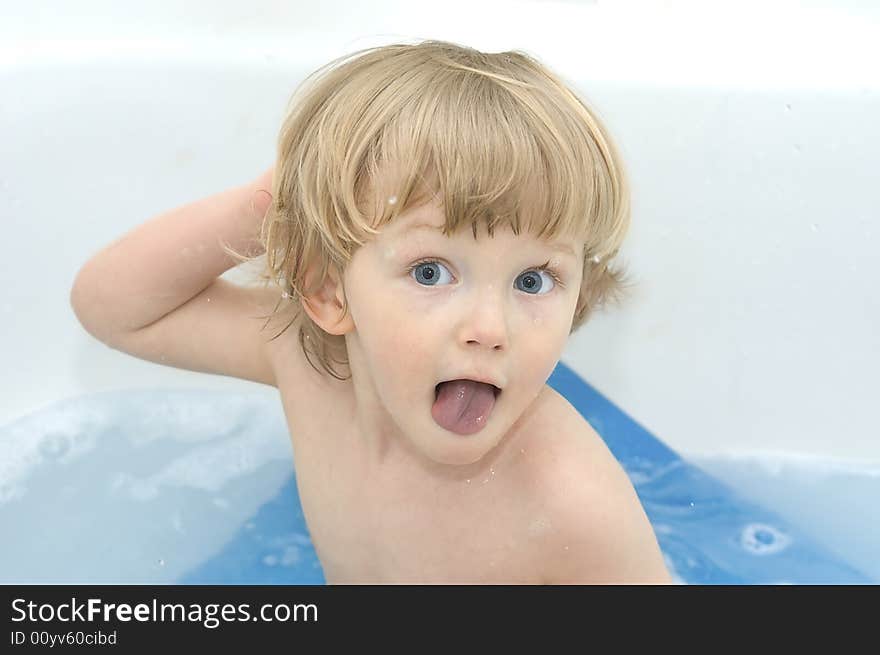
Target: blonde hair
x,y
496,137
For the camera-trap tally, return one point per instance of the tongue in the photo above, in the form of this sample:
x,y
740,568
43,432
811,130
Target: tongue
x,y
463,406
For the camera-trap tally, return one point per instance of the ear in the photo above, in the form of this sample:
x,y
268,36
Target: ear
x,y
324,306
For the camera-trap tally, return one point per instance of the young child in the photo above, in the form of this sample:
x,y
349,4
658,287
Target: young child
x,y
437,222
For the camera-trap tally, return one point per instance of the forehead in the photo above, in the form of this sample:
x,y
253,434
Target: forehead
x,y
429,219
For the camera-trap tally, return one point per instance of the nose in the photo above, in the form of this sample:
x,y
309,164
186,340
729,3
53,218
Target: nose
x,y
485,323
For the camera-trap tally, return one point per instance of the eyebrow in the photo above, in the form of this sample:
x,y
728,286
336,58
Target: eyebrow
x,y
559,247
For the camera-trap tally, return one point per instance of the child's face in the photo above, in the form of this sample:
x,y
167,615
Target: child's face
x,y
473,307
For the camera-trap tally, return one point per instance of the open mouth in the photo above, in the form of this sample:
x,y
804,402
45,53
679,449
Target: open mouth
x,y
463,406
495,390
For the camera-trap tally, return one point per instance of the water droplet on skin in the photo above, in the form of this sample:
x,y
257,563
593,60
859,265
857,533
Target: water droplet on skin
x,y
392,200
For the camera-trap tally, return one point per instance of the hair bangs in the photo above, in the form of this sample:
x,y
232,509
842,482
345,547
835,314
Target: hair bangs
x,y
488,155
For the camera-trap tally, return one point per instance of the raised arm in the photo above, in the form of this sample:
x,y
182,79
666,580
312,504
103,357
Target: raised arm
x,y
155,292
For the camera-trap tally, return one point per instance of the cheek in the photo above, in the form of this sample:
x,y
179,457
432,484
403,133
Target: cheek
x,y
552,327
543,353
395,333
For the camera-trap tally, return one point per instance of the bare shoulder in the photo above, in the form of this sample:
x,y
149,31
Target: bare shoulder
x,y
595,528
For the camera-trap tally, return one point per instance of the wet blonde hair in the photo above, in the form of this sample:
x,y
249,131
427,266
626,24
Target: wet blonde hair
x,y
496,137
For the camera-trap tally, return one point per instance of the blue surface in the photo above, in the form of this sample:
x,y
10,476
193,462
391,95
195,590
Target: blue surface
x,y
708,533
198,488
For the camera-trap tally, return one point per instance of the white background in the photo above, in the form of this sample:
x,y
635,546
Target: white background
x,y
750,132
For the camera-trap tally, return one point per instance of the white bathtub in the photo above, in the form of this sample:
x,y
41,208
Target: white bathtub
x,y
751,139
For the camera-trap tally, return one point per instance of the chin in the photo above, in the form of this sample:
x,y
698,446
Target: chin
x,y
456,459
459,453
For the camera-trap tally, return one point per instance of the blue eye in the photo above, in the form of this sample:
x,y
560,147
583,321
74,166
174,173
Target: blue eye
x,y
531,282
429,273
536,282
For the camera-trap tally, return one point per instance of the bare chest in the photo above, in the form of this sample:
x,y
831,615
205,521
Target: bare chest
x,y
367,532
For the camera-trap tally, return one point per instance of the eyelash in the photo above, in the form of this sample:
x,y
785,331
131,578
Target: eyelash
x,y
552,272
